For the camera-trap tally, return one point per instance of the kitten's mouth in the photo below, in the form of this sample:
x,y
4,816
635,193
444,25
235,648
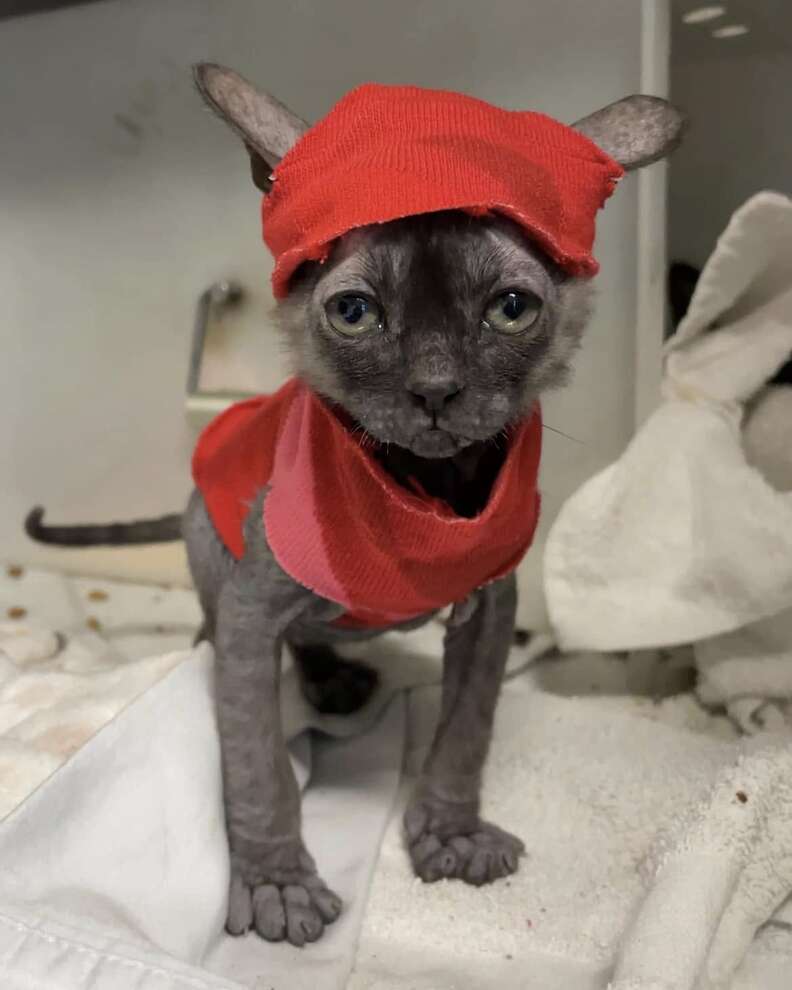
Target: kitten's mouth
x,y
436,442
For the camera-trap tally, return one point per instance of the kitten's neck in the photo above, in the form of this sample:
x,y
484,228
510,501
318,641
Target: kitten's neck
x,y
463,481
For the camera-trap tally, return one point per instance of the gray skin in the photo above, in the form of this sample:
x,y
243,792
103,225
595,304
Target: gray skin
x,y
433,276
433,388
436,387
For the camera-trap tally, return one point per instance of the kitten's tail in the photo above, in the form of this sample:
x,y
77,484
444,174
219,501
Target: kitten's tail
x,y
163,530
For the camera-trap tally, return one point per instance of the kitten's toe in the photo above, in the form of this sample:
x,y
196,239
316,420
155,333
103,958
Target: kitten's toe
x,y
278,893
324,900
303,922
477,855
240,907
268,912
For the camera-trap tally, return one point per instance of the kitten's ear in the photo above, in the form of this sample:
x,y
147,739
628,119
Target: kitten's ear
x,y
635,131
266,126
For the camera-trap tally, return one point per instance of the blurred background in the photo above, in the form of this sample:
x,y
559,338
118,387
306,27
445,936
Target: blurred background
x,y
122,199
731,68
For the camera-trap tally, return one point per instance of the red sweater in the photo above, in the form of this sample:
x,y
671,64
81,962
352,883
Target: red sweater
x,y
340,525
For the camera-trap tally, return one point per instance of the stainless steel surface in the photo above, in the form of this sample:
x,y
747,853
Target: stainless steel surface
x,y
20,8
212,301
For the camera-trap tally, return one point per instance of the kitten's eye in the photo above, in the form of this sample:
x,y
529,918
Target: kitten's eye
x,y
512,311
351,314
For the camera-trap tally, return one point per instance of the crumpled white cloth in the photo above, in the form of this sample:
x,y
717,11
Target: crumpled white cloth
x,y
115,872
73,653
749,673
113,860
682,539
114,868
643,865
720,873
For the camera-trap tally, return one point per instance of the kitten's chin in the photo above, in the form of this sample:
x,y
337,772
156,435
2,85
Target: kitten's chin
x,y
437,443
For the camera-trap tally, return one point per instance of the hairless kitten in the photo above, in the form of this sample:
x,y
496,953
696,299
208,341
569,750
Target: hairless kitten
x,y
433,276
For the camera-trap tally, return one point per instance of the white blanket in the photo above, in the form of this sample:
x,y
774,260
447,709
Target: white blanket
x,y
115,873
682,539
609,790
114,868
686,540
659,841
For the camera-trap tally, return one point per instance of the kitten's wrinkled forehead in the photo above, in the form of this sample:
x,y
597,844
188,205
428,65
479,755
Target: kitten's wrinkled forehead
x,y
446,255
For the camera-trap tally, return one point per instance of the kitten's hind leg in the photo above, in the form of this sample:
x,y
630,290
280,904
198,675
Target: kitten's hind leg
x,y
333,685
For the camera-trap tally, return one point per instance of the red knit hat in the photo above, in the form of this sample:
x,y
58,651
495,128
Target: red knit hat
x,y
385,152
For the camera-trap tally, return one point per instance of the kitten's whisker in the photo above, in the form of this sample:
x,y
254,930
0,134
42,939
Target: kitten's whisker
x,y
496,438
358,428
562,434
367,440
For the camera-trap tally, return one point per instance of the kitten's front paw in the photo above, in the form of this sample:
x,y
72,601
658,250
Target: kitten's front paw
x,y
447,847
292,904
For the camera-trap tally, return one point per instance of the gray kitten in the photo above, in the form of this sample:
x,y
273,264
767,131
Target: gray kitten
x,y
436,391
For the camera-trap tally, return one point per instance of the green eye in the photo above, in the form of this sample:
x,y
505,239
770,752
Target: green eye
x,y
512,311
352,314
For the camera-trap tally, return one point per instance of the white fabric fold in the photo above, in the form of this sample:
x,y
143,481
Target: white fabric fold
x,y
119,865
643,864
114,869
722,871
685,540
682,538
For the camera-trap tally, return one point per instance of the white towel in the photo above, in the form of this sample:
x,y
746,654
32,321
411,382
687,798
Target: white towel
x,y
113,859
766,435
688,539
630,812
114,871
682,539
73,654
112,848
749,672
718,876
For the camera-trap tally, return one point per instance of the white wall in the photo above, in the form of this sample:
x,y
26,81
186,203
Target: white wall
x,y
122,199
740,142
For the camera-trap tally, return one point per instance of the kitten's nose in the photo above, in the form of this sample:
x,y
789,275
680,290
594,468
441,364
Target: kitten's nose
x,y
435,393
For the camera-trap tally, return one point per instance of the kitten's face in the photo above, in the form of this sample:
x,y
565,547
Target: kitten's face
x,y
435,331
